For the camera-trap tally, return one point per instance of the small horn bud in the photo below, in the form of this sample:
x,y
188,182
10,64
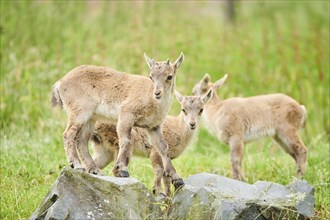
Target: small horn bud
x,y
168,61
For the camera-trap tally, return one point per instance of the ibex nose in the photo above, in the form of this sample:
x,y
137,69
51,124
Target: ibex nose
x,y
192,124
157,94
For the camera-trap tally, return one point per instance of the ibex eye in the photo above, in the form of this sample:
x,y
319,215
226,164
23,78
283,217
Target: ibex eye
x,y
150,77
184,111
169,77
201,111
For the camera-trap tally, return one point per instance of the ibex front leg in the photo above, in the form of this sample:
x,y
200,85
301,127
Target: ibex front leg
x,y
124,128
159,143
237,151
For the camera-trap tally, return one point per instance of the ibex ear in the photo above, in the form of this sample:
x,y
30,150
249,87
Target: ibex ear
x,y
178,62
207,96
179,97
218,84
205,80
149,61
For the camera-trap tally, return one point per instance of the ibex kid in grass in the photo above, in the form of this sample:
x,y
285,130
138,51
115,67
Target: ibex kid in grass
x,y
177,131
236,121
92,93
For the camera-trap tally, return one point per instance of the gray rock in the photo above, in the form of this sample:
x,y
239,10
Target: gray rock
x,y
209,196
78,195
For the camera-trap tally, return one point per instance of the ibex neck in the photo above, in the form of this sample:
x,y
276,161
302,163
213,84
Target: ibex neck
x,y
184,128
213,105
168,97
214,100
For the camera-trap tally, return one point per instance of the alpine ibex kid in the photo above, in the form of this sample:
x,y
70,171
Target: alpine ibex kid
x,y
177,131
236,121
92,93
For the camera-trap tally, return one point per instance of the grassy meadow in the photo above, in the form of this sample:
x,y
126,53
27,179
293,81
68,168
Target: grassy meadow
x,y
273,46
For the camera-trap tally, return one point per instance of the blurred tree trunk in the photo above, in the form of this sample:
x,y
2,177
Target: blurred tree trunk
x,y
230,10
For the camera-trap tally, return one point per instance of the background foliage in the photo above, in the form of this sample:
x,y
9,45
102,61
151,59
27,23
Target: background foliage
x,y
273,46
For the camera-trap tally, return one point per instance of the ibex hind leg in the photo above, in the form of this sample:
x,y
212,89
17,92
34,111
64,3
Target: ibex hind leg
x,y
158,169
158,172
157,165
167,185
82,147
292,144
70,144
285,146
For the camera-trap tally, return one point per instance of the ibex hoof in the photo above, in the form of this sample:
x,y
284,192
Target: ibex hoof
x,y
123,173
96,172
300,175
120,171
161,197
242,179
80,169
178,183
77,167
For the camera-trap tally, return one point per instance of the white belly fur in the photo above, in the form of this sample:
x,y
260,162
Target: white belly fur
x,y
256,134
106,111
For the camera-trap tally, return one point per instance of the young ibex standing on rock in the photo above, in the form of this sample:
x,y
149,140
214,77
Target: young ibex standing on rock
x,y
91,93
236,121
177,132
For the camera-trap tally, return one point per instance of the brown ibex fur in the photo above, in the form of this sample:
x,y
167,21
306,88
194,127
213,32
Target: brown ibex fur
x,y
236,121
92,93
177,131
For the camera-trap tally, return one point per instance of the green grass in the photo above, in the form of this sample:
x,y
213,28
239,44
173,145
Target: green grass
x,y
274,46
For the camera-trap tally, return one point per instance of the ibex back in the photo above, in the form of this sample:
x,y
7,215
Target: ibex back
x,y
91,93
